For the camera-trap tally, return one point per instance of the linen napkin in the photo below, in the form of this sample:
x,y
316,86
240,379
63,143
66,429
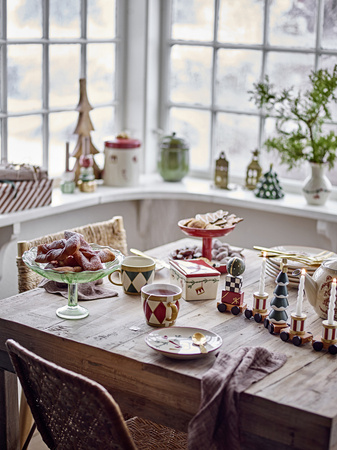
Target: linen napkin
x,y
216,424
85,291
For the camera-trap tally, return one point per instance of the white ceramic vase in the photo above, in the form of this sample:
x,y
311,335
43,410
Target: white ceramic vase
x,y
317,186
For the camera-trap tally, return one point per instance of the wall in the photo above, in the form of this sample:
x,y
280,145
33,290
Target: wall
x,y
150,223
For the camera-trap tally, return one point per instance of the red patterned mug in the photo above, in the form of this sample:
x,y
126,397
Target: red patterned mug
x,y
161,304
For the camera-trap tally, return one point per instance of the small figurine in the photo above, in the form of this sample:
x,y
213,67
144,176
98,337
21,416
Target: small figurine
x,y
277,319
221,172
86,182
268,186
68,177
254,171
232,296
259,311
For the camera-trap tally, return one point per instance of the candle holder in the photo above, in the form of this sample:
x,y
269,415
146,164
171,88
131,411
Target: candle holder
x,y
259,311
296,332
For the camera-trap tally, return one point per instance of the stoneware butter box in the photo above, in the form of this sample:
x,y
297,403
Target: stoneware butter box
x,y
197,279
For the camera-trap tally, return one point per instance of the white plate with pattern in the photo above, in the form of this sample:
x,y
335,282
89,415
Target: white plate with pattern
x,y
176,342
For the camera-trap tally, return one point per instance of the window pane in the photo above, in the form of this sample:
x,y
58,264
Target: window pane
x,y
293,23
237,70
241,22
237,136
328,62
103,120
25,140
24,77
64,19
290,69
194,126
329,38
191,74
101,73
193,20
24,19
61,130
101,19
64,75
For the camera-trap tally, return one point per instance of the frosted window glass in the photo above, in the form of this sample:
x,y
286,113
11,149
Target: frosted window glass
x,y
241,22
237,136
64,75
101,73
101,19
191,74
61,130
24,77
193,20
194,126
293,23
24,19
329,38
237,70
25,140
64,19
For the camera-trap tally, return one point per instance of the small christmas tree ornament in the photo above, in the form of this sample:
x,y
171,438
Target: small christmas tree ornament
x,y
86,182
232,295
221,172
259,311
277,319
83,129
254,171
268,186
328,339
68,177
296,332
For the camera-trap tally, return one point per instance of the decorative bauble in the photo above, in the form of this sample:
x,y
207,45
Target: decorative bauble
x,y
236,266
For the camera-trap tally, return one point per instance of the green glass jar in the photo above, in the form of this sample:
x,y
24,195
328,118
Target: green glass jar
x,y
173,161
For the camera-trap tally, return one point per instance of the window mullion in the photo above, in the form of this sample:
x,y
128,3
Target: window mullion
x,y
214,74
45,82
84,31
3,83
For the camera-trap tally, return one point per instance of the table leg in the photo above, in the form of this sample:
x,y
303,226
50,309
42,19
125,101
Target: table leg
x,y
9,411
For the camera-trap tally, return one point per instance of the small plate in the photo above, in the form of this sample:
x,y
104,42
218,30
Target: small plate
x,y
176,342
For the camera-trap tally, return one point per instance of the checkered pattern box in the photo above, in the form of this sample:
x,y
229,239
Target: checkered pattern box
x,y
22,195
233,284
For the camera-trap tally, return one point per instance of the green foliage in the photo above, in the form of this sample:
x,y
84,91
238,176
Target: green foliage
x,y
300,118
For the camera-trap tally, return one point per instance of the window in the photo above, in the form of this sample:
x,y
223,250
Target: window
x,y
46,46
216,49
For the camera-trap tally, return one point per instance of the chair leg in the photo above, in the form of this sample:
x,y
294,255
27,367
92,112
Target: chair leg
x,y
26,420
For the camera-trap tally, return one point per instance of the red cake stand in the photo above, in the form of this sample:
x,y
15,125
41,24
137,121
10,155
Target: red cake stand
x,y
206,236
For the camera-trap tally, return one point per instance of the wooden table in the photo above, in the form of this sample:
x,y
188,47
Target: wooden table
x,y
295,407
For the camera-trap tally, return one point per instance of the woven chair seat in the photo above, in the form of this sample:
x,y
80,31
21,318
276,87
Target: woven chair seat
x,y
72,412
110,232
152,436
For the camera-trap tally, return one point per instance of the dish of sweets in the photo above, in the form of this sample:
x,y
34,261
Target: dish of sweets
x,y
218,220
176,342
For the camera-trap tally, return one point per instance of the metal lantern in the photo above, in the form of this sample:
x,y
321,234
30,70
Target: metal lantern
x,y
221,172
254,171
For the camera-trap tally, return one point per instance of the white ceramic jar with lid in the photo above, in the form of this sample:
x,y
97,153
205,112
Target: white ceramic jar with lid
x,y
121,166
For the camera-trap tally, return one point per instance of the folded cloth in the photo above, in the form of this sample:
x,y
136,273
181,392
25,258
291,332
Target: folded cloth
x,y
85,291
216,424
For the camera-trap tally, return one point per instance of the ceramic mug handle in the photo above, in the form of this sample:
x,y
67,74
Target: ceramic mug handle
x,y
174,312
115,282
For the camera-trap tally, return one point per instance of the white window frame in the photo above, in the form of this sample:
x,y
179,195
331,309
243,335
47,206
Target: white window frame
x,y
46,42
265,47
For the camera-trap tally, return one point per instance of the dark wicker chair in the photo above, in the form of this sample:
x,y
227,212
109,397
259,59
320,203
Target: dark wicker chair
x,y
73,412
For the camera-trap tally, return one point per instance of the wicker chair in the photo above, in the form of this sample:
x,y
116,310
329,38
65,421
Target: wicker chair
x,y
110,232
74,412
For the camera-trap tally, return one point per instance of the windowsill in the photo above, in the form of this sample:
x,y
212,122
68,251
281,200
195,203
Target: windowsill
x,y
190,189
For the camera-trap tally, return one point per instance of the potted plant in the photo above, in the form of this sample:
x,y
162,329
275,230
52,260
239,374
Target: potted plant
x,y
299,126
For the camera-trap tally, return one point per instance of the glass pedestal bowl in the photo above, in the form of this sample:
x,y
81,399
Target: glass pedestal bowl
x,y
73,310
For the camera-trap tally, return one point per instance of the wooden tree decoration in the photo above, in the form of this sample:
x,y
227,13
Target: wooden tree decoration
x,y
83,129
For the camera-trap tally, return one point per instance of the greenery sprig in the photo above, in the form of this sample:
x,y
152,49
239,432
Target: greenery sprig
x,y
300,118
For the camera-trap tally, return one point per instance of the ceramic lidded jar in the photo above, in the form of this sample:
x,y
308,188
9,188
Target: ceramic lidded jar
x,y
121,166
173,161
